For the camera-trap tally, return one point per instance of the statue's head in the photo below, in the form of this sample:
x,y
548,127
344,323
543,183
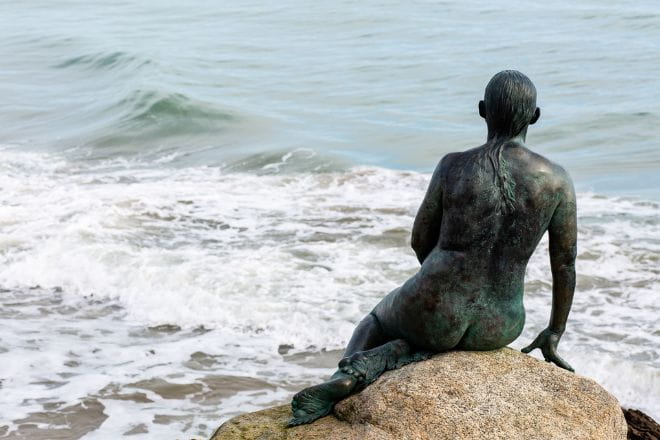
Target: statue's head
x,y
509,104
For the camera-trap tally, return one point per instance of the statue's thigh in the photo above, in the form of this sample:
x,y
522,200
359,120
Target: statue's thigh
x,y
434,318
493,329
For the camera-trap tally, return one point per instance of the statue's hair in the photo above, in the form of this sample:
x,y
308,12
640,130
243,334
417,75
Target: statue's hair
x,y
510,103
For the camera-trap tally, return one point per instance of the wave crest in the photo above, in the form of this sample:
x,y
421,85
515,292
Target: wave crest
x,y
104,61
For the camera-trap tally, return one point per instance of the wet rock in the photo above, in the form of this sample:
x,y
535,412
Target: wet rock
x,y
641,426
284,348
501,394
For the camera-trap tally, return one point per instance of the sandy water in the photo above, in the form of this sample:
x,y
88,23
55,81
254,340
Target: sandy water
x,y
197,204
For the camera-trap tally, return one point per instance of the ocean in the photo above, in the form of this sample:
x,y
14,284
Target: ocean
x,y
199,200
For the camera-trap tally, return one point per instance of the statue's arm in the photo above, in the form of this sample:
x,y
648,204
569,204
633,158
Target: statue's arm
x,y
562,232
426,228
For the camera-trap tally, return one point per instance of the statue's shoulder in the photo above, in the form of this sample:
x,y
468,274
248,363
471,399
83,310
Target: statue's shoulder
x,y
540,167
448,159
443,166
456,158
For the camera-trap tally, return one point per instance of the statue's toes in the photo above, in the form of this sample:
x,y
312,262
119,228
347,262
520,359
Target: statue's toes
x,y
348,369
300,417
303,415
359,363
351,360
358,375
296,401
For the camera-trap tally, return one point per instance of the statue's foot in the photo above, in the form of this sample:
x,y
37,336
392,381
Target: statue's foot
x,y
367,366
354,365
308,405
317,401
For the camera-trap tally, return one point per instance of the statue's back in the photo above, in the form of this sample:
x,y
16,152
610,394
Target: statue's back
x,y
475,219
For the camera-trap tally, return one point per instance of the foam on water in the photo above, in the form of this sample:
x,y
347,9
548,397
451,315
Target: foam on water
x,y
246,265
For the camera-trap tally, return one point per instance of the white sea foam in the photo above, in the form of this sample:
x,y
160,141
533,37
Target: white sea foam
x,y
264,261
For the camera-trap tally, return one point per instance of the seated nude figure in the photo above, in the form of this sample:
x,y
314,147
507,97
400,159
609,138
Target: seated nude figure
x,y
483,215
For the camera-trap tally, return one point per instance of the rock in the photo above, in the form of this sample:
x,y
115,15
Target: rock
x,y
501,394
269,424
641,426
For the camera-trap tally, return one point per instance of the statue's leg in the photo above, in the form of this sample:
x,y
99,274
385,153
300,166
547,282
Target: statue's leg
x,y
366,366
368,334
371,352
317,401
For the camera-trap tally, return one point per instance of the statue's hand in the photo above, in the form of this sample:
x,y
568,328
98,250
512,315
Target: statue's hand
x,y
547,341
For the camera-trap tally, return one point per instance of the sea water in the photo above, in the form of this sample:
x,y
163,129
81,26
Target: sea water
x,y
199,200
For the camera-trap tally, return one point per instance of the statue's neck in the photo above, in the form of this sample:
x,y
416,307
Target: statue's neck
x,y
495,137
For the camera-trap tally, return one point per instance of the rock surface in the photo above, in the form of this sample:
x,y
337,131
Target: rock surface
x,y
641,426
500,394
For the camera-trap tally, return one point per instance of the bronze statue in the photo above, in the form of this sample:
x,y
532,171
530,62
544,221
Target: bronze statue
x,y
483,215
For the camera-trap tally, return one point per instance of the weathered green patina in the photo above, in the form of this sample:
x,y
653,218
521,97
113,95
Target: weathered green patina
x,y
483,215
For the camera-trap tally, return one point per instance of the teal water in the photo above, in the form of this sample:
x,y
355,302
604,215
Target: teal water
x,y
383,83
199,200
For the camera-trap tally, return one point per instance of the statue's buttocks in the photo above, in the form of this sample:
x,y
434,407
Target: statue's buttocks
x,y
447,304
